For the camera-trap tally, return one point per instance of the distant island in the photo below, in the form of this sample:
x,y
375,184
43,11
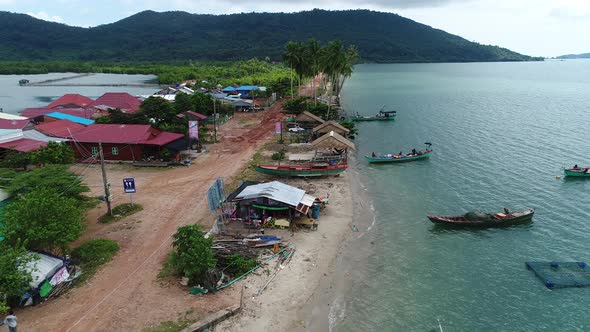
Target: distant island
x,y
179,36
574,56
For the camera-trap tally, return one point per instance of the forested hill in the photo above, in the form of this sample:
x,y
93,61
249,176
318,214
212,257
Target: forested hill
x,y
575,56
152,36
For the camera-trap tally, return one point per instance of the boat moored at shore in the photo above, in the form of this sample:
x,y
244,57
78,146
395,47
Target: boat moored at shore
x,y
400,157
307,170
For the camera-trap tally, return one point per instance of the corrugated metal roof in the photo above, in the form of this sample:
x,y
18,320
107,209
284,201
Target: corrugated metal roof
x,y
11,116
86,113
42,268
76,119
120,100
23,145
60,128
274,190
71,99
13,124
247,88
125,133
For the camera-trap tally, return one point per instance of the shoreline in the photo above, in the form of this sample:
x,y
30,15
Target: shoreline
x,y
300,281
307,290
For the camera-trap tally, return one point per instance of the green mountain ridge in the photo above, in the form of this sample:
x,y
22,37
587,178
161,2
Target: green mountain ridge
x,y
180,36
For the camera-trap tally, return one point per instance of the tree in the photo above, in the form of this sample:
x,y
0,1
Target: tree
x,y
183,103
16,160
54,153
293,58
55,177
192,255
312,55
44,220
157,110
13,281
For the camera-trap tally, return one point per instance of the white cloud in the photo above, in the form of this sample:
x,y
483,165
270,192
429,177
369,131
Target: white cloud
x,y
46,17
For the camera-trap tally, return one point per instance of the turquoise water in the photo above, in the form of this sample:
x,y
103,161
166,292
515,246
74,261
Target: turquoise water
x,y
501,133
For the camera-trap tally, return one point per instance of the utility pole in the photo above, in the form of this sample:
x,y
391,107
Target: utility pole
x,y
107,192
214,121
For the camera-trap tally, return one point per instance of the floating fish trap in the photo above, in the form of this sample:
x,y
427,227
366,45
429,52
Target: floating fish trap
x,y
561,274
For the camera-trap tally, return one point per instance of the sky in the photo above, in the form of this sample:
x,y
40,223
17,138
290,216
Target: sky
x,y
533,27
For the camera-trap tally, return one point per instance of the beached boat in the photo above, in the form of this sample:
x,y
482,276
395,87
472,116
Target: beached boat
x,y
577,171
480,219
302,170
383,115
397,158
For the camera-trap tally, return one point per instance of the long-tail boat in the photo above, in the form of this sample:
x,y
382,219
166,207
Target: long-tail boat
x,y
304,170
382,115
397,158
480,219
577,171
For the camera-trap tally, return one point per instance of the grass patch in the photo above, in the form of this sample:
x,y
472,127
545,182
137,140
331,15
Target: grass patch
x,y
167,271
170,326
92,254
120,211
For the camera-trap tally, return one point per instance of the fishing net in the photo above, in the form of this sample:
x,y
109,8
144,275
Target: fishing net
x,y
477,216
561,274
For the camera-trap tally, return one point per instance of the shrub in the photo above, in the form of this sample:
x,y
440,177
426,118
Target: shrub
x,y
278,155
91,254
192,255
238,265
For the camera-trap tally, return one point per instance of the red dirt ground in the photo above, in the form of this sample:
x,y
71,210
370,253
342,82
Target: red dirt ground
x,y
125,295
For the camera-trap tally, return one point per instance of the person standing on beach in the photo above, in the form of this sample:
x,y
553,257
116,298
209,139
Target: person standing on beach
x,y
10,321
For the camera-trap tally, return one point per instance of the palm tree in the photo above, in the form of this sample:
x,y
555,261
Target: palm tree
x,y
312,62
293,57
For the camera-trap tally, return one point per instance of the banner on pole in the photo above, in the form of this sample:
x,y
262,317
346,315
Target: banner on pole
x,y
193,129
277,128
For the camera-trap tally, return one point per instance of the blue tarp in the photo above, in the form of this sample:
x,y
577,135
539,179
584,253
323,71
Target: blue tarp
x,y
76,119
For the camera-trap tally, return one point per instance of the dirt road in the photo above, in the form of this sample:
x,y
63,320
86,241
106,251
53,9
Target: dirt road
x,y
125,295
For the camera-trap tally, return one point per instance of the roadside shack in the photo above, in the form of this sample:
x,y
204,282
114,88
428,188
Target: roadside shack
x,y
272,204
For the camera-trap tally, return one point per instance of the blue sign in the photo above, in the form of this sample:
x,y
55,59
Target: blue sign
x,y
129,185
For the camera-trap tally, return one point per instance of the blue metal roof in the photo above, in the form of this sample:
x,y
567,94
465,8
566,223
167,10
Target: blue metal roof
x,y
76,119
229,89
247,88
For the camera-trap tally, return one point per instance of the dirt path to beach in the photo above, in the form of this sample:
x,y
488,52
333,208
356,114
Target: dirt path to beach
x,y
125,295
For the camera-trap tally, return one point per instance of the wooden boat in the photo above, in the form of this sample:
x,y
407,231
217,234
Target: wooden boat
x,y
480,219
23,82
306,170
383,115
577,171
399,158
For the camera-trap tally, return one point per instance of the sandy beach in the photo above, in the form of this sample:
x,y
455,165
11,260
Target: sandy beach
x,y
279,307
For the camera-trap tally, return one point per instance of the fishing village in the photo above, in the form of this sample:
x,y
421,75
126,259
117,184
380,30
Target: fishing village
x,y
252,199
252,168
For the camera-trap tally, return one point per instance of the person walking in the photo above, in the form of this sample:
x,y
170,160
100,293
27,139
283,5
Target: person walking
x,y
10,321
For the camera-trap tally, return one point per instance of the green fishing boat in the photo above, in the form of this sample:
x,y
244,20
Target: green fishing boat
x,y
400,157
577,171
302,170
383,115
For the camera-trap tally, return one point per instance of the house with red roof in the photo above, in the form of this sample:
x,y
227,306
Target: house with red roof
x,y
121,100
60,128
71,100
123,142
37,114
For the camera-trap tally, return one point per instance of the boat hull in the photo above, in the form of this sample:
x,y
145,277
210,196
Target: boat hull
x,y
301,171
460,221
391,118
383,160
580,173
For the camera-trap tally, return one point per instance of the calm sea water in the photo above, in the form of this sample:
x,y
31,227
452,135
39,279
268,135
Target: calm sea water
x,y
15,98
501,133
